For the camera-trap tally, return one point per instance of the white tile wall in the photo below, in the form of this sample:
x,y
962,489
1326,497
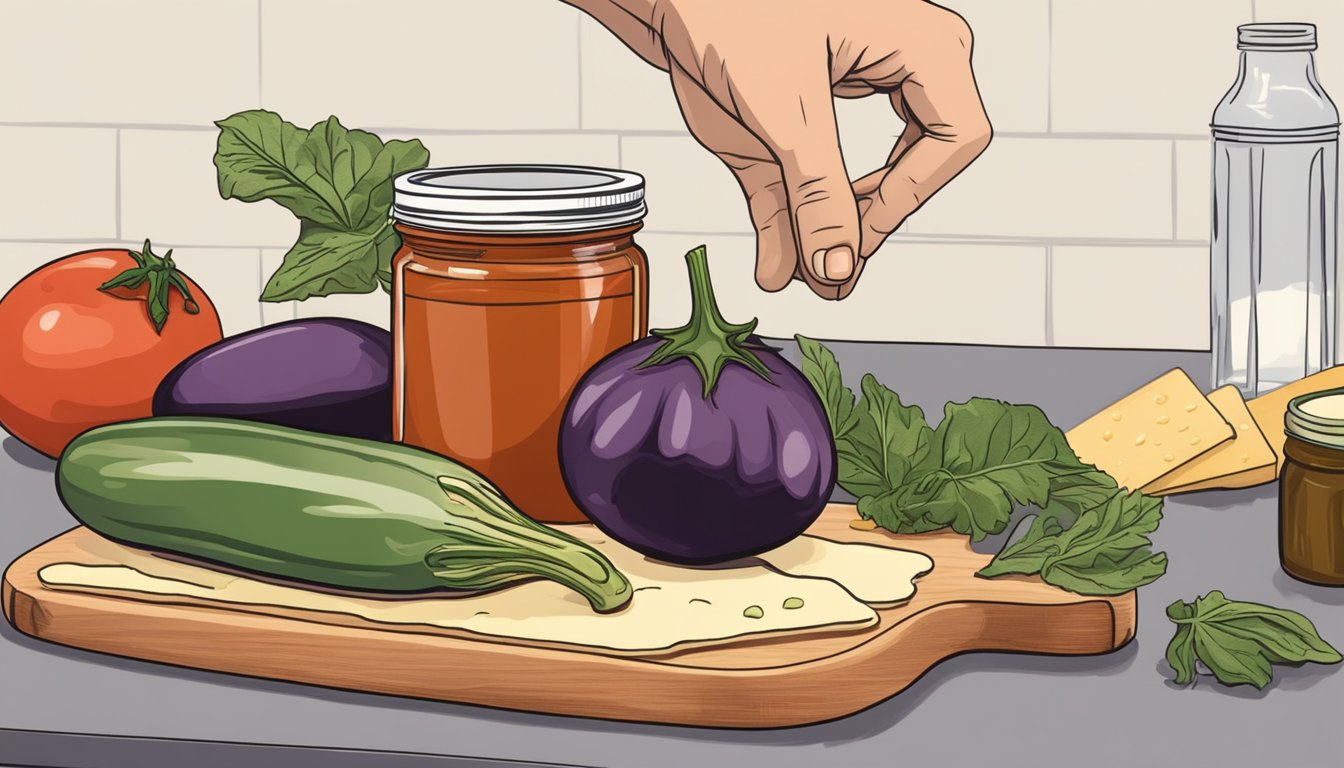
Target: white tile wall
x,y
465,64
229,276
1142,66
1011,60
1126,296
1193,189
914,291
601,149
170,192
1065,188
147,61
689,189
37,197
620,90
1085,222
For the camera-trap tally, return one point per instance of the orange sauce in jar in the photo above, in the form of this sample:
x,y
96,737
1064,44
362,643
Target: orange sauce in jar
x,y
512,281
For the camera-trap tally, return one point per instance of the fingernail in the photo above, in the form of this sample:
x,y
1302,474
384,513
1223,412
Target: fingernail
x,y
836,264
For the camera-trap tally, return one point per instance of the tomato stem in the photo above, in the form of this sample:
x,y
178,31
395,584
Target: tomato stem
x,y
707,340
161,274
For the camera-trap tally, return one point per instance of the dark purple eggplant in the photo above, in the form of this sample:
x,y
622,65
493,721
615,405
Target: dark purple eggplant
x,y
699,444
329,375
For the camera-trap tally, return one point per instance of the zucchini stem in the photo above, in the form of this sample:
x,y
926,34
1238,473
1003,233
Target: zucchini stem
x,y
707,340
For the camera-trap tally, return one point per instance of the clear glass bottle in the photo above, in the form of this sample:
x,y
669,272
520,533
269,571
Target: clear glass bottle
x,y
1275,155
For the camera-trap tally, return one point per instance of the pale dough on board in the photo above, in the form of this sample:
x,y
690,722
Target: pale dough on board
x,y
673,607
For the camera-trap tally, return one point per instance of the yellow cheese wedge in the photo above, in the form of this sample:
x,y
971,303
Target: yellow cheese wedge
x,y
1269,409
1244,460
1150,432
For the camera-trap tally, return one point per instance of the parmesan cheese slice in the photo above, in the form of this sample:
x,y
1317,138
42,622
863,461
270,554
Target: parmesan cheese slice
x,y
673,607
1232,464
864,570
1150,432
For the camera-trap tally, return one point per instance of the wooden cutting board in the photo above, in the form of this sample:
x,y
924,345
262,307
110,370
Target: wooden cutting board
x,y
757,684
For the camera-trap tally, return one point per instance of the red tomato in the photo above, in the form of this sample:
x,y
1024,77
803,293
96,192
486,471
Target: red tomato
x,y
74,356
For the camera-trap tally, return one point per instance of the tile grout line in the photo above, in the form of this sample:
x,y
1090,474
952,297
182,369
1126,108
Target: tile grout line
x,y
902,238
631,132
1174,180
116,177
1049,295
578,49
261,275
260,55
1049,66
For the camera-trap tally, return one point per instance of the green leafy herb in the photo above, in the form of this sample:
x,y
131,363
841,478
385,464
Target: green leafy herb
x,y
161,274
338,182
985,457
1239,641
1104,551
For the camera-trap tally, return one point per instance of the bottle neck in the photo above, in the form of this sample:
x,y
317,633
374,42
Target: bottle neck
x,y
1276,99
533,246
1282,68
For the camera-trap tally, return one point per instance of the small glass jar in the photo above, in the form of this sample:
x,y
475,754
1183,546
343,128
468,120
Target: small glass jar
x,y
511,283
1311,489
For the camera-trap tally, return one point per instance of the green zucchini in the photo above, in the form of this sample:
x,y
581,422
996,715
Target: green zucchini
x,y
335,511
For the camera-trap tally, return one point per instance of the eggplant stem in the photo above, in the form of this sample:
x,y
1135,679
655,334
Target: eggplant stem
x,y
707,340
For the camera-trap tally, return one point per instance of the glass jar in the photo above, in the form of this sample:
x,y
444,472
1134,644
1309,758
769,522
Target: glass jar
x,y
511,283
1275,152
1311,489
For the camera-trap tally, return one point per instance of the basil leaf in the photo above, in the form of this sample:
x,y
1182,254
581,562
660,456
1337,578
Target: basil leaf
x,y
338,183
889,512
887,440
1104,550
329,261
360,168
991,454
1231,660
1181,655
1240,641
259,156
823,373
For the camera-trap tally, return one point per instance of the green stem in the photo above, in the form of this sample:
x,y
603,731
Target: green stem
x,y
493,545
161,274
707,340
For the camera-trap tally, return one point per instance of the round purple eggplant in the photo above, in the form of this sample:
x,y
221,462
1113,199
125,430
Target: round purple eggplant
x,y
698,445
329,375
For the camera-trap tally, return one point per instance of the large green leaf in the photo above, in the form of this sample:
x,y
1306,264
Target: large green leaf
x,y
338,182
990,455
1240,641
360,168
1101,549
260,156
328,261
823,373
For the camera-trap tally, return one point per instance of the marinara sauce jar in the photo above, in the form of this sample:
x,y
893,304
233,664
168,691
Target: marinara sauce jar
x,y
1311,489
512,281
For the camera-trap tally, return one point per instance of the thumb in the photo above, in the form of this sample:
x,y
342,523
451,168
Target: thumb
x,y
800,131
825,214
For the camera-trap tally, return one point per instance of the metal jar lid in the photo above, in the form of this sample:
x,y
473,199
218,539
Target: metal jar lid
x,y
518,198
1317,417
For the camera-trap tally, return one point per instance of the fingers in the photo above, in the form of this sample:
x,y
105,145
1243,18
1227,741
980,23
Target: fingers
x,y
941,98
798,126
756,173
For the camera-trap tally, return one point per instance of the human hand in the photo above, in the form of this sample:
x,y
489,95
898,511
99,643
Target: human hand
x,y
755,81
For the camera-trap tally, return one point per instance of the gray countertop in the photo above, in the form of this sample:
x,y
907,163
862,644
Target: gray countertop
x,y
66,707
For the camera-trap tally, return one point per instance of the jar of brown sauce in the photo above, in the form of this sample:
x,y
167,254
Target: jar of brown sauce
x,y
1311,489
512,281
